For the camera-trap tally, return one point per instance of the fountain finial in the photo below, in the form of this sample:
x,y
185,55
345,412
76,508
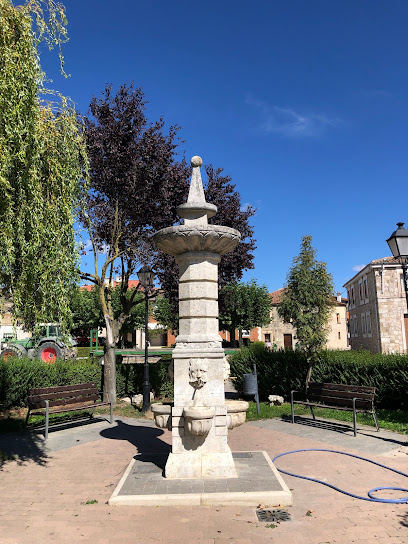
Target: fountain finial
x,y
196,161
196,211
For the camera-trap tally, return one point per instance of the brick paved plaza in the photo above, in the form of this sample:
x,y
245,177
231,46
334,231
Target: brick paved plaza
x,y
45,493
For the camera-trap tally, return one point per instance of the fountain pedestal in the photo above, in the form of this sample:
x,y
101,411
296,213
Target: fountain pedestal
x,y
199,415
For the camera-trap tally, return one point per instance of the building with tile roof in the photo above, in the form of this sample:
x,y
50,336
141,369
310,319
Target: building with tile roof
x,y
283,335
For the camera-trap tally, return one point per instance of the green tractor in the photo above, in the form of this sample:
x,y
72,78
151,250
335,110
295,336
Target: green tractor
x,y
48,345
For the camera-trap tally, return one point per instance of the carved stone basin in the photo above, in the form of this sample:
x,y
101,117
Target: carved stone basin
x,y
236,412
182,238
162,415
199,419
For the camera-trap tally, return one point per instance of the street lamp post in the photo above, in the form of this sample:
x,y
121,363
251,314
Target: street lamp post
x,y
398,242
146,277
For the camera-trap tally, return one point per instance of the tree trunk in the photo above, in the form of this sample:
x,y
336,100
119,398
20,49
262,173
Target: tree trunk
x,y
233,341
109,386
309,374
240,338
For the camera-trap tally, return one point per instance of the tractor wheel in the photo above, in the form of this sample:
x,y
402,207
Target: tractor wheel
x,y
49,352
12,351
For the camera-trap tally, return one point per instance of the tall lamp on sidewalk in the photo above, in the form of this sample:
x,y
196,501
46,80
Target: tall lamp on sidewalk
x,y
146,278
398,242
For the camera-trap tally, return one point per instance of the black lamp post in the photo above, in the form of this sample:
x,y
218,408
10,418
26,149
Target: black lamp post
x,y
146,278
398,242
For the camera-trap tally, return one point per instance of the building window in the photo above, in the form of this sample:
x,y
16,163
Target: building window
x,y
353,326
363,325
360,292
368,324
267,337
365,289
348,298
353,300
338,318
402,286
339,334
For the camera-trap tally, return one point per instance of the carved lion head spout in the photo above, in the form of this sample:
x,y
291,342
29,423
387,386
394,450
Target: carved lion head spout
x,y
198,373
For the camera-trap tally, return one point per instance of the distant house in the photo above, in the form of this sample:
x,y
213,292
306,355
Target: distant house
x,y
157,335
283,335
378,308
7,328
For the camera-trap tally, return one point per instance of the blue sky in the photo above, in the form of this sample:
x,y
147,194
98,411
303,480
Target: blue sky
x,y
304,104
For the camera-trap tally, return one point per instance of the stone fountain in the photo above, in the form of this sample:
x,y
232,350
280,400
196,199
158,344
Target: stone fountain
x,y
201,469
199,418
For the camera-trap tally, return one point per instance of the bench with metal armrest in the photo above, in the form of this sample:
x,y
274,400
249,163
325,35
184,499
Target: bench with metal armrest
x,y
355,398
66,398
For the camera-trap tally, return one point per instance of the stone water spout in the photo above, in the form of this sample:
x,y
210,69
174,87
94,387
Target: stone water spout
x,y
199,420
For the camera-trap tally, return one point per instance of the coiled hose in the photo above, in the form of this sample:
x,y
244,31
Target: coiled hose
x,y
370,497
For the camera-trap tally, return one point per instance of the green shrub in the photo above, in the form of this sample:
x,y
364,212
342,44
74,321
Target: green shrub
x,y
129,378
17,376
281,371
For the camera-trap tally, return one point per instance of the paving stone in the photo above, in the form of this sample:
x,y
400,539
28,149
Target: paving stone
x,y
56,483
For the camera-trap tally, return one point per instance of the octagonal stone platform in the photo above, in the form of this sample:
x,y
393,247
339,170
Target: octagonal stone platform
x,y
258,481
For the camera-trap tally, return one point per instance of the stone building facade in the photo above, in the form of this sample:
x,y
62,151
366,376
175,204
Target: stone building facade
x,y
378,317
283,335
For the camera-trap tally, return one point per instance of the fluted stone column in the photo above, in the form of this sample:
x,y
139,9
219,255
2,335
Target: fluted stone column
x,y
199,414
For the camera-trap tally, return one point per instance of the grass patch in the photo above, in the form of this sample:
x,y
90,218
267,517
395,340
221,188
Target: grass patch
x,y
122,409
83,352
13,420
393,420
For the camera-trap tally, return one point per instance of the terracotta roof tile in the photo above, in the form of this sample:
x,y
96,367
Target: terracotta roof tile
x,y
277,296
390,259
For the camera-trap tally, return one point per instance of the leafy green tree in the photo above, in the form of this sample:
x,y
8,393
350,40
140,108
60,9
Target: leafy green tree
x,y
87,311
42,159
245,306
165,315
307,302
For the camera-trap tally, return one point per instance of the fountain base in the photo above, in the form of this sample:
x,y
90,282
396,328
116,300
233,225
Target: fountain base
x,y
188,465
258,482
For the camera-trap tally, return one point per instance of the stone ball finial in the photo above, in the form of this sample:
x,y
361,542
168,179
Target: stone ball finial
x,y
196,161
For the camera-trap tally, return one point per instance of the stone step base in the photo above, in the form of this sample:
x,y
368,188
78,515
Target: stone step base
x,y
257,481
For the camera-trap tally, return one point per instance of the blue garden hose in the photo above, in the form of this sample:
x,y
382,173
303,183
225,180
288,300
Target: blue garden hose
x,y
370,497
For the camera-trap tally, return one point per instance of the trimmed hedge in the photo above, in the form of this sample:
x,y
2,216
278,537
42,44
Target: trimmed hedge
x,y
281,371
17,376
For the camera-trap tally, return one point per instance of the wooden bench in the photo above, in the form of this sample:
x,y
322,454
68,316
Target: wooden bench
x,y
66,398
355,398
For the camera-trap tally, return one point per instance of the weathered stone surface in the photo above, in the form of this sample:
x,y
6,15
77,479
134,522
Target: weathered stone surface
x,y
275,400
199,417
136,399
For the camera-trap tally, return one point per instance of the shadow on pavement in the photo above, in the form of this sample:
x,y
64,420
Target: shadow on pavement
x,y
145,439
30,444
339,428
404,520
22,447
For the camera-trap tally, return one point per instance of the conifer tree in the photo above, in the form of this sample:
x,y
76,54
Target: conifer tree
x,y
307,302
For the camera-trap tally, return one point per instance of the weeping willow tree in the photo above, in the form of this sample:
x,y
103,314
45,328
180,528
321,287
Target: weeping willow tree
x,y
42,160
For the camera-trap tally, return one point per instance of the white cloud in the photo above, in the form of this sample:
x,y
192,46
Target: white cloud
x,y
290,123
358,267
